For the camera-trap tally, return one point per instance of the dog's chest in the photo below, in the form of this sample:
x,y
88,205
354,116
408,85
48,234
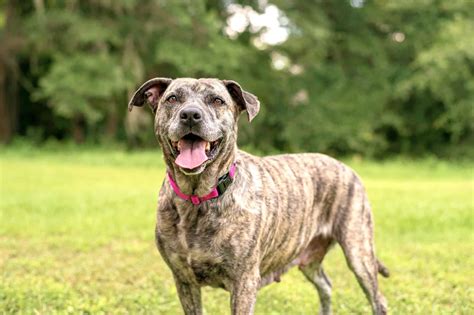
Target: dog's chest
x,y
200,243
208,269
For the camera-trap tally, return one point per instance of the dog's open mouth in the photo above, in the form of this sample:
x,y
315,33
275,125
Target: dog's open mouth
x,y
192,151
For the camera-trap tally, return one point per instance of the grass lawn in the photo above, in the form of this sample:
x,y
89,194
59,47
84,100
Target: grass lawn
x,y
76,236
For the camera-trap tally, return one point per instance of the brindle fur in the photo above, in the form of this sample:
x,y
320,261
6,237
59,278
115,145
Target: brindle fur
x,y
280,211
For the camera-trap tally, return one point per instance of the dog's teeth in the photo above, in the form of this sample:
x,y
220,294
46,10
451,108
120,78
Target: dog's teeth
x,y
208,146
178,145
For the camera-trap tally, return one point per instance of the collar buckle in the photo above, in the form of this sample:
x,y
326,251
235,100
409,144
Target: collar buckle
x,y
223,183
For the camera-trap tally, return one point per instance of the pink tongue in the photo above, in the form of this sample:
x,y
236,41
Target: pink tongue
x,y
191,153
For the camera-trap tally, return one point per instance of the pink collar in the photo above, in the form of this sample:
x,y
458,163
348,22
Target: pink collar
x,y
222,183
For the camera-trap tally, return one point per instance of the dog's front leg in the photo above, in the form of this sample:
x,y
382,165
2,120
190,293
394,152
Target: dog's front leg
x,y
244,293
190,297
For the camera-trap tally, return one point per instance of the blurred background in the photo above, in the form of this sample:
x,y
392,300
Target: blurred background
x,y
350,77
386,86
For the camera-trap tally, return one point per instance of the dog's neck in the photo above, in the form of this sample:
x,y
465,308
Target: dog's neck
x,y
201,184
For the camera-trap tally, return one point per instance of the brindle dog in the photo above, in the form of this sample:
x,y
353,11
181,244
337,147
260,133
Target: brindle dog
x,y
278,212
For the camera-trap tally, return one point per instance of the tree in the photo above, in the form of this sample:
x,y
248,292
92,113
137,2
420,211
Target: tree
x,y
10,44
349,77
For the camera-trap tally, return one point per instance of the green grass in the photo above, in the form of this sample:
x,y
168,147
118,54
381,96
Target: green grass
x,y
76,236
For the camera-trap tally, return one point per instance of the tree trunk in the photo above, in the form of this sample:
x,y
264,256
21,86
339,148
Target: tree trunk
x,y
5,119
78,132
9,44
111,125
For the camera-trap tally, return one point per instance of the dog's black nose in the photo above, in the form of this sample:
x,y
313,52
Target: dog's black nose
x,y
190,116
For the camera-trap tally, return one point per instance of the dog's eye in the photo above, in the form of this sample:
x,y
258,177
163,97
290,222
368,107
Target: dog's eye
x,y
218,101
172,99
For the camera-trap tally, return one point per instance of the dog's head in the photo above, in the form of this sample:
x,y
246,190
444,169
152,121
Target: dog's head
x,y
195,119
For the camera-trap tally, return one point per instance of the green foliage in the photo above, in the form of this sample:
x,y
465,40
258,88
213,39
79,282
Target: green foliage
x,y
381,78
444,70
76,236
369,77
84,85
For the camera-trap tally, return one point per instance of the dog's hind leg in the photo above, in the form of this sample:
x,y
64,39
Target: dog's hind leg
x,y
315,274
310,265
356,239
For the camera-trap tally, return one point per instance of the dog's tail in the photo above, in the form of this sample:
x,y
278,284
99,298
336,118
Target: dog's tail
x,y
382,269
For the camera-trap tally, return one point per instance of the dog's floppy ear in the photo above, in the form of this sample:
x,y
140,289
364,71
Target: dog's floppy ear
x,y
150,92
245,100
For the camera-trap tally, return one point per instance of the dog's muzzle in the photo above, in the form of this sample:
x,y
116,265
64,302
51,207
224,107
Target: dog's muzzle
x,y
192,151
